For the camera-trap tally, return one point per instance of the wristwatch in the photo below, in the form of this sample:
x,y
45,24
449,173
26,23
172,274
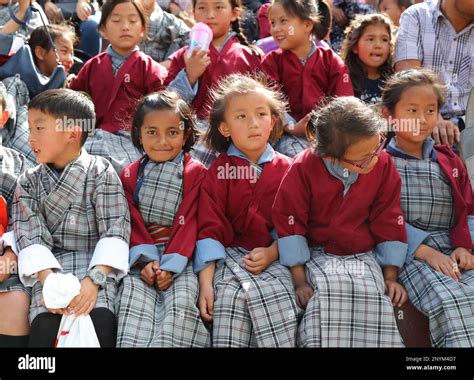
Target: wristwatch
x,y
98,277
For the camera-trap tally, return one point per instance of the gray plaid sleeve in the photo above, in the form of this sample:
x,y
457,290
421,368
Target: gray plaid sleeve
x,y
409,44
28,223
112,214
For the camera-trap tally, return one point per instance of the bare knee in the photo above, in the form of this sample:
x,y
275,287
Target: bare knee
x,y
14,308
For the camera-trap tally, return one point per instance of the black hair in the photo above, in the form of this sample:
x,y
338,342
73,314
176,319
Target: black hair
x,y
304,10
324,26
342,122
165,100
240,84
399,82
69,107
109,5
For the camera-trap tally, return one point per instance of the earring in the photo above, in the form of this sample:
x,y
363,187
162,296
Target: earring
x,y
228,139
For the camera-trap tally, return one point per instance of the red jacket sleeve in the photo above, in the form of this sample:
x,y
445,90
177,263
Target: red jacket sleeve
x,y
177,64
155,76
212,220
339,80
291,217
386,216
81,82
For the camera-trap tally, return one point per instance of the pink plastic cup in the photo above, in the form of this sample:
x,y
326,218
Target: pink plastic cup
x,y
200,37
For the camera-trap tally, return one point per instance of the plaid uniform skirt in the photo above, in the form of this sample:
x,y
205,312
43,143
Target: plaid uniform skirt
x,y
148,317
449,304
349,307
77,263
116,147
291,145
253,310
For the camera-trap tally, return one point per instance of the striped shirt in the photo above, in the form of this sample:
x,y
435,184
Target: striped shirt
x,y
426,35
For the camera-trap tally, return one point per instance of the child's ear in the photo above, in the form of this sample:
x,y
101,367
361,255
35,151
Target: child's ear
x,y
103,32
224,130
385,112
355,50
40,53
4,117
75,134
235,14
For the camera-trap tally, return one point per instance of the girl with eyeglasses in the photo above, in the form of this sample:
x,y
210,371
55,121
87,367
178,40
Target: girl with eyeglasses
x,y
341,231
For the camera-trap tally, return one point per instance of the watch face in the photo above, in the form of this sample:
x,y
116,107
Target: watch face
x,y
100,277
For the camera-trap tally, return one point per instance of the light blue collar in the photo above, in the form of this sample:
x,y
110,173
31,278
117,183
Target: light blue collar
x,y
267,156
311,52
231,34
110,51
345,176
429,153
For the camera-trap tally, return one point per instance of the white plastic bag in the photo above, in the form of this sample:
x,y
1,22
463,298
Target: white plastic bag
x,y
76,331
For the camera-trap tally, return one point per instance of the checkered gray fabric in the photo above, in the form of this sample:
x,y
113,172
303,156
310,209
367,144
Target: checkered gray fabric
x,y
116,147
291,145
148,317
426,35
349,307
16,130
68,214
12,164
161,192
72,212
253,310
31,23
166,34
427,203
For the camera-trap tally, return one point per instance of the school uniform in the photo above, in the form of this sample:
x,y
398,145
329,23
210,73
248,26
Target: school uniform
x,y
162,197
12,164
71,221
342,226
234,217
306,82
230,58
437,202
116,84
15,133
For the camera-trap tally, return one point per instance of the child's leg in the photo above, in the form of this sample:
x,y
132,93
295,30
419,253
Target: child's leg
x,y
232,325
105,324
14,325
44,330
182,325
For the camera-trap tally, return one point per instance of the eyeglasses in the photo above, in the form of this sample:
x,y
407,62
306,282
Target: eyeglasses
x,y
362,164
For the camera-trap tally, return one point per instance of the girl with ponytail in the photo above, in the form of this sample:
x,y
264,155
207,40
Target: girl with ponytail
x,y
195,74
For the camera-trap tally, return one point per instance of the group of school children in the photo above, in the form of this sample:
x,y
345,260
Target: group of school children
x,y
236,200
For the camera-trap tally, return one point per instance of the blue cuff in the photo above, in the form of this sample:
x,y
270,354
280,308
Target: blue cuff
x,y
415,237
207,250
289,119
470,221
391,253
144,253
173,262
293,250
183,87
274,234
